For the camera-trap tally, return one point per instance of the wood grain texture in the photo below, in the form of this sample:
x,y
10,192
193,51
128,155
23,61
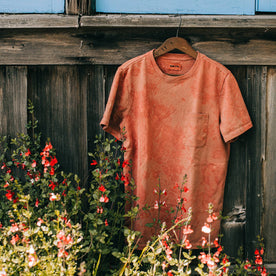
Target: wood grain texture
x,y
13,100
172,21
254,96
269,228
82,7
59,95
38,21
61,47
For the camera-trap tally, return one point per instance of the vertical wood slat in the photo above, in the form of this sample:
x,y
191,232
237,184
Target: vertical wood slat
x,y
59,94
95,103
13,100
269,170
83,7
256,90
233,228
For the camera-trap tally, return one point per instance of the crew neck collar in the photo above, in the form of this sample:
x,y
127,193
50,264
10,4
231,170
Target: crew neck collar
x,y
177,56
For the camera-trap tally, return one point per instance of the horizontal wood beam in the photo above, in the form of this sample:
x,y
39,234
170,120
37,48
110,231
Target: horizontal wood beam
x,y
48,47
38,21
35,21
172,21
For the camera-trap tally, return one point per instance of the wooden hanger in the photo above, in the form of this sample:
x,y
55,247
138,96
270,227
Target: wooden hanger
x,y
173,43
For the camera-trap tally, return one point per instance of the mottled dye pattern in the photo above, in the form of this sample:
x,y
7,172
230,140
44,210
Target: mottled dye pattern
x,y
179,115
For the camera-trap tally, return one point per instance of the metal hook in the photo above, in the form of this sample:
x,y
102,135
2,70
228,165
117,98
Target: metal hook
x,y
177,31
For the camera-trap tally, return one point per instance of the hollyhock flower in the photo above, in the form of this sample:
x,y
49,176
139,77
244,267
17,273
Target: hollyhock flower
x,y
68,239
36,202
117,176
210,219
99,210
7,184
28,153
102,188
34,164
62,253
106,222
68,224
32,260
169,273
14,227
94,163
3,272
52,171
54,197
156,206
61,235
14,239
9,195
119,162
164,192
188,245
187,230
206,228
164,265
39,222
52,185
1,225
185,189
125,163
78,188
53,161
104,199
168,253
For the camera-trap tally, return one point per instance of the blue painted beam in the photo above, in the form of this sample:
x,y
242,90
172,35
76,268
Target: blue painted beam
x,y
266,5
177,6
31,6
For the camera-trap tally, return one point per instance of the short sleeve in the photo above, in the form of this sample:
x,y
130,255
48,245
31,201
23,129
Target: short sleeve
x,y
234,117
116,106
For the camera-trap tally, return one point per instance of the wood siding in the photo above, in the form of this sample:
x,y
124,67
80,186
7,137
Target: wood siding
x,y
67,71
69,103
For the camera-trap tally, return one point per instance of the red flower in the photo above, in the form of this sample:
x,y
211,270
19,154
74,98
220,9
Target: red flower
x,y
104,199
185,189
78,188
28,153
34,164
125,163
117,176
9,195
102,188
14,239
36,202
169,273
52,185
118,161
106,223
52,171
63,193
94,162
53,162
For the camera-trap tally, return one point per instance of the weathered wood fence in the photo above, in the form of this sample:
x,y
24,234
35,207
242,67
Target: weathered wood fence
x,y
67,73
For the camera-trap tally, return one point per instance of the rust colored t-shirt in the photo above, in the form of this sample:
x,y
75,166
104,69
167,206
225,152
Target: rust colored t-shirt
x,y
179,115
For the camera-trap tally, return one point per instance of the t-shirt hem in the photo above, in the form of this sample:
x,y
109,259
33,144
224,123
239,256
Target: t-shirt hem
x,y
237,132
106,127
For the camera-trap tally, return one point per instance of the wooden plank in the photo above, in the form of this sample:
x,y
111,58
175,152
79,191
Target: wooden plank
x,y
37,21
78,7
177,6
255,94
95,103
269,227
13,100
172,21
61,47
59,94
234,207
30,6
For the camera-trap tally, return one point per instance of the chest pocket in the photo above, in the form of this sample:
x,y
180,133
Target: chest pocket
x,y
195,129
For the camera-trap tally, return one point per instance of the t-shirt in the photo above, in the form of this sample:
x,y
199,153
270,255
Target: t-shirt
x,y
179,115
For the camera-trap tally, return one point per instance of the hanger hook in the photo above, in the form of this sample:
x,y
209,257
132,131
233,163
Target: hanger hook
x,y
177,31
